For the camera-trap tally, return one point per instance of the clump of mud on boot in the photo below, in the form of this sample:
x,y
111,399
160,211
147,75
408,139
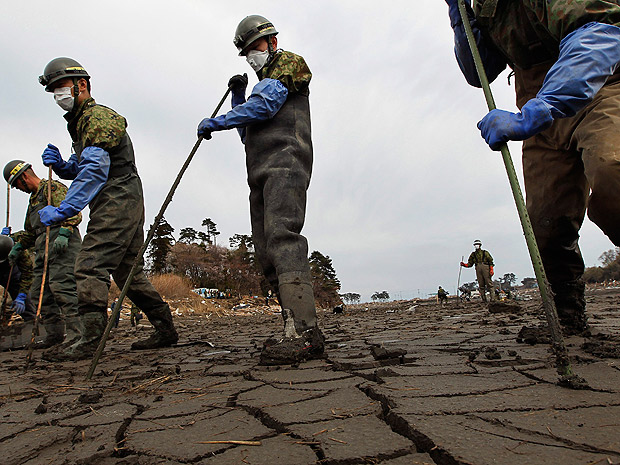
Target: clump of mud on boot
x,y
293,349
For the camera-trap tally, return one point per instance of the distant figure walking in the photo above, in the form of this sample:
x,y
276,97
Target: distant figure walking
x,y
483,261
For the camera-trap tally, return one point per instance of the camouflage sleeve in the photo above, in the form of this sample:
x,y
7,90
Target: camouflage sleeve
x,y
561,17
59,192
472,259
291,70
25,265
27,237
101,127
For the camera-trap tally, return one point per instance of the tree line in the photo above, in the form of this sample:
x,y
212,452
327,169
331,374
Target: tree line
x,y
197,257
609,271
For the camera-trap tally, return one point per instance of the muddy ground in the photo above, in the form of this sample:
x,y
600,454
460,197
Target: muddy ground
x,y
450,386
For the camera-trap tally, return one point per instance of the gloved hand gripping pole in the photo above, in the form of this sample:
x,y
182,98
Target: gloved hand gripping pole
x,y
5,293
567,377
149,236
35,326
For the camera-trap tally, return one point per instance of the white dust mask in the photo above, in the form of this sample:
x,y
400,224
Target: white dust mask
x,y
257,59
63,98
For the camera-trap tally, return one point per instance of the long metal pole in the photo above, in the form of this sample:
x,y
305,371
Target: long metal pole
x,y
35,326
139,257
559,349
458,283
8,283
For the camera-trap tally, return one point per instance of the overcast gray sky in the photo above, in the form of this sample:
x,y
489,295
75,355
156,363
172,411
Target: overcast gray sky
x,y
402,181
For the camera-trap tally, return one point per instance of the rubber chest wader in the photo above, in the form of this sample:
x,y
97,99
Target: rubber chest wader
x,y
279,164
530,50
114,237
59,305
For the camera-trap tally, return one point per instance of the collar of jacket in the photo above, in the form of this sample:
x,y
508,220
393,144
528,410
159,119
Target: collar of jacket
x,y
73,116
272,60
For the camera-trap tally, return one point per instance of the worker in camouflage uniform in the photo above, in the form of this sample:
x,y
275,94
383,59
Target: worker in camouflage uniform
x,y
59,302
483,261
274,125
565,56
104,178
20,276
442,295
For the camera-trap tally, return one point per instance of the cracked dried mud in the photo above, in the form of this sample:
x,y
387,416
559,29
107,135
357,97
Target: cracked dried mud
x,y
449,385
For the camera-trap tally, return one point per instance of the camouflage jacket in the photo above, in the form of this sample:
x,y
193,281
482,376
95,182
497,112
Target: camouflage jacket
x,y
96,125
23,271
290,69
480,256
38,200
528,32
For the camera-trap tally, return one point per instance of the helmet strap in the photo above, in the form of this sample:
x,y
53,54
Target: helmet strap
x,y
270,49
76,93
269,45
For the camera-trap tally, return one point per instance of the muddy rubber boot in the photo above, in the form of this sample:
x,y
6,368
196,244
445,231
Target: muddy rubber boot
x,y
93,326
570,303
74,334
55,335
296,294
165,334
74,329
294,347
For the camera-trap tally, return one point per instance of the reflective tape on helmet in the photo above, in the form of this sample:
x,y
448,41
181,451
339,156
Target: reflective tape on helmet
x,y
16,170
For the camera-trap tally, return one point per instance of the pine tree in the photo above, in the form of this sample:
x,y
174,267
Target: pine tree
x,y
324,280
160,246
212,231
188,235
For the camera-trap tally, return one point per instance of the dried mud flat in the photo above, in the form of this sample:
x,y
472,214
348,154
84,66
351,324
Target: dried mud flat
x,y
464,392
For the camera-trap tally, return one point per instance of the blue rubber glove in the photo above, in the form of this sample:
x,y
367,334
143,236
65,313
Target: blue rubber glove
x,y
500,126
52,215
6,231
203,129
51,155
265,101
19,304
93,172
14,253
65,169
588,56
61,243
493,61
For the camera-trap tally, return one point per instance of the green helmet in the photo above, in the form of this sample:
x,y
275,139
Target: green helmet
x,y
6,244
251,28
14,170
60,68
